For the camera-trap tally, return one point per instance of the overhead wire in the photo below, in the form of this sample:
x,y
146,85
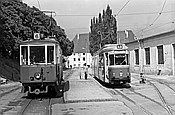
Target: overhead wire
x,y
39,4
139,13
159,14
159,26
123,7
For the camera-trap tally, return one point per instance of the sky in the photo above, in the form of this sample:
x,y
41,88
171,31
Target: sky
x,y
143,17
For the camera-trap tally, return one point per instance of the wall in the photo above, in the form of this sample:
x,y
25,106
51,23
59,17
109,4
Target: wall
x,y
165,39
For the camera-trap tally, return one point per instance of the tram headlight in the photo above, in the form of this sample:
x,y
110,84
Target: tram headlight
x,y
121,73
37,75
113,74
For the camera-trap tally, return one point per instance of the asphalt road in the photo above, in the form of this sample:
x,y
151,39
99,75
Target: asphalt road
x,y
155,97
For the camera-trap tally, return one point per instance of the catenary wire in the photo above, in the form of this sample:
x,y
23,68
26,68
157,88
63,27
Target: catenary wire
x,y
155,18
123,7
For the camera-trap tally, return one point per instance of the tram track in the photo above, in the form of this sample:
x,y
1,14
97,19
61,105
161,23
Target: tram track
x,y
161,82
37,106
25,107
134,102
164,104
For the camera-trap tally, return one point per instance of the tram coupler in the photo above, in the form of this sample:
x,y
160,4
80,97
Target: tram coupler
x,y
142,78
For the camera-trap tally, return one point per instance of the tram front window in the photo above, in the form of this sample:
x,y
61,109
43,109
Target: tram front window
x,y
118,59
50,54
37,54
24,55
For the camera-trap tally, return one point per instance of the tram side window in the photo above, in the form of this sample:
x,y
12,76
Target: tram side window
x,y
101,61
24,55
37,54
111,59
50,54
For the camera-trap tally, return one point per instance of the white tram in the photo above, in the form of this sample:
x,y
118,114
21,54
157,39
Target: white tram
x,y
111,64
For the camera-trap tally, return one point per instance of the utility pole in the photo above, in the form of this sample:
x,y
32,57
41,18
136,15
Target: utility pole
x,y
141,60
50,25
101,36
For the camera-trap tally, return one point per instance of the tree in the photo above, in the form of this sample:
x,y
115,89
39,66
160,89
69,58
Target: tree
x,y
18,22
103,30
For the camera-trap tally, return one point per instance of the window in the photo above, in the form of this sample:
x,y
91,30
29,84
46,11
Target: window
x,y
37,54
74,65
147,55
50,54
83,58
111,59
78,59
160,54
74,59
121,59
24,55
137,57
83,53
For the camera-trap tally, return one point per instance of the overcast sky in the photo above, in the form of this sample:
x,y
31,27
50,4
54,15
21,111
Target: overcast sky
x,y
74,15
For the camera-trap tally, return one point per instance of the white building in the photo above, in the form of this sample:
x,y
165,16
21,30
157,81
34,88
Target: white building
x,y
154,54
81,54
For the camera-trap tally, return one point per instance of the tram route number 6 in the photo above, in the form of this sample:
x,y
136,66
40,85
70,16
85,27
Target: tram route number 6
x,y
36,35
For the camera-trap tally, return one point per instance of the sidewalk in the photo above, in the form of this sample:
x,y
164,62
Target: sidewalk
x,y
9,84
85,89
87,97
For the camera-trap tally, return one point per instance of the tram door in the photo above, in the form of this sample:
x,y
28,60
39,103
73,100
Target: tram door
x,y
101,66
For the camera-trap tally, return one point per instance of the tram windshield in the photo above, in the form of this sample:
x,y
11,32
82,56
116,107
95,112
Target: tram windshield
x,y
118,59
36,55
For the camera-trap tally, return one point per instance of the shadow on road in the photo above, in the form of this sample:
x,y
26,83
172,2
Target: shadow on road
x,y
107,85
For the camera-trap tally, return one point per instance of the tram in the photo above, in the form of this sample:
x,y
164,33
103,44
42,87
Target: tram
x,y
41,66
111,64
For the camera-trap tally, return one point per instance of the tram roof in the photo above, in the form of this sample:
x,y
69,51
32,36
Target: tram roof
x,y
112,47
39,41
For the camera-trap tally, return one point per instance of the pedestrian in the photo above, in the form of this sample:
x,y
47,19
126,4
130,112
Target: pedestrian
x,y
86,71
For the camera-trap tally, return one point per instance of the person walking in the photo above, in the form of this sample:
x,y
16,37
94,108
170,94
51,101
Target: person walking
x,y
86,71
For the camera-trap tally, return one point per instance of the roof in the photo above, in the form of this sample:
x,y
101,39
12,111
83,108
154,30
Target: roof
x,y
37,42
81,43
113,47
171,32
125,36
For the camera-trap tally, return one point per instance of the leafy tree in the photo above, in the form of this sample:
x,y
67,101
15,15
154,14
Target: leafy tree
x,y
103,30
19,22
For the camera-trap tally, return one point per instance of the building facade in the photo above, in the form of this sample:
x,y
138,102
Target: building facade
x,y
154,54
81,55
